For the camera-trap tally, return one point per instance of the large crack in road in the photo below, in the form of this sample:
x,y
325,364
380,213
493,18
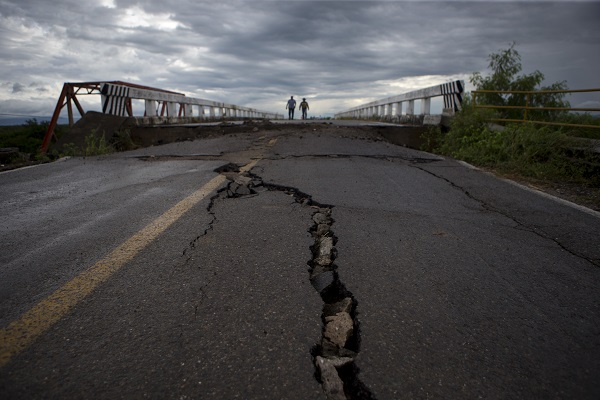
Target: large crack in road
x,y
539,231
339,345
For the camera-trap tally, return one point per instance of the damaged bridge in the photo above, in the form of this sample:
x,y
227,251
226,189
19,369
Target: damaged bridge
x,y
167,109
301,261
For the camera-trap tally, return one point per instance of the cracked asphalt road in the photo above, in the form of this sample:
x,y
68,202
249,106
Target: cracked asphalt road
x,y
465,285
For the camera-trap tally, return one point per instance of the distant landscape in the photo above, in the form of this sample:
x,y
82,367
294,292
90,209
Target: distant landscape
x,y
13,121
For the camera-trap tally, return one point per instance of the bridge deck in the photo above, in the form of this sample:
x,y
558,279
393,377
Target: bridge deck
x,y
461,284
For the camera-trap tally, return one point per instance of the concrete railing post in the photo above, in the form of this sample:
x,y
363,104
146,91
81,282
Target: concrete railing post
x,y
452,93
410,109
171,109
150,108
426,106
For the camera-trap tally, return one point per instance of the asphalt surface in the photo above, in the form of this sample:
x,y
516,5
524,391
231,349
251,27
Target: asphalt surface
x,y
464,285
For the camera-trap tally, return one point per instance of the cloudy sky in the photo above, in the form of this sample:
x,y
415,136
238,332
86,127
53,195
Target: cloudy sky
x,y
255,53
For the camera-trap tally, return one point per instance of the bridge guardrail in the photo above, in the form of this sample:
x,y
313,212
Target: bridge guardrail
x,y
116,99
392,106
527,108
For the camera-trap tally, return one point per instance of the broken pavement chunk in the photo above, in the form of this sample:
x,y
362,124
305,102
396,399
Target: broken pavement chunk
x,y
332,384
339,328
243,180
240,186
325,246
344,305
321,218
325,251
322,229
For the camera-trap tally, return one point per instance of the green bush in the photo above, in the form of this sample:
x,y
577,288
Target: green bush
x,y
122,141
582,119
541,152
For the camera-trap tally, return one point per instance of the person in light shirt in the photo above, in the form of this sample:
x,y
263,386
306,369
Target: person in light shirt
x,y
291,105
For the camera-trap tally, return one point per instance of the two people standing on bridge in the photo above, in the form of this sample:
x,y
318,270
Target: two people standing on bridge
x,y
291,106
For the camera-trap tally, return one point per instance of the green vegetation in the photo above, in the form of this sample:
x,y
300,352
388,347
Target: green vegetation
x,y
545,153
121,140
505,66
540,152
28,137
97,145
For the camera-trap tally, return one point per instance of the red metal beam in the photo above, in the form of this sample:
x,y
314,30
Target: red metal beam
x,y
129,107
79,108
72,89
50,132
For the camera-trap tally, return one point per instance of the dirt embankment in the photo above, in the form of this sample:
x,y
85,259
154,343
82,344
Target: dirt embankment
x,y
109,126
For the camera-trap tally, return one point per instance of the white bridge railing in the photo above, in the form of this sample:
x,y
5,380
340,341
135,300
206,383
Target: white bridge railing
x,y
159,105
392,107
116,100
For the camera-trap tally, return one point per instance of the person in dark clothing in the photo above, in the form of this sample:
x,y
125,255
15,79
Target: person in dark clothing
x,y
304,107
291,105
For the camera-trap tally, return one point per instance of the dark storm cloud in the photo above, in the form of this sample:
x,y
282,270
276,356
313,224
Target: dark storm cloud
x,y
257,53
17,87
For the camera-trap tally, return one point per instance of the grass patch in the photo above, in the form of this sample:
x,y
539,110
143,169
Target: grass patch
x,y
96,145
547,155
121,140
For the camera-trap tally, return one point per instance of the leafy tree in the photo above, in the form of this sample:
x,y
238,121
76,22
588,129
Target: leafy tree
x,y
506,66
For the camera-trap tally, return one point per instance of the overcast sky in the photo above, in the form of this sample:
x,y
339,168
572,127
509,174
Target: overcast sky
x,y
254,53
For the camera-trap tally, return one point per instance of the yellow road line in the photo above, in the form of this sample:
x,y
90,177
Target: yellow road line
x,y
19,334
24,331
249,166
